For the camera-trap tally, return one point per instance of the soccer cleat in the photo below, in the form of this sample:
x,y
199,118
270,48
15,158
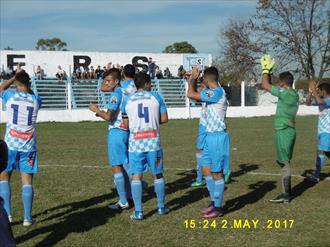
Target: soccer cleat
x,y
10,219
314,179
118,206
137,215
207,210
213,214
197,184
28,222
163,211
282,198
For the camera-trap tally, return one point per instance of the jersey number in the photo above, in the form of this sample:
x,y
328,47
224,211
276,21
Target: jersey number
x,y
15,114
143,112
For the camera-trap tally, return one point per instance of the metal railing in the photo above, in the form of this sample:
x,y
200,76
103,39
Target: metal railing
x,y
77,94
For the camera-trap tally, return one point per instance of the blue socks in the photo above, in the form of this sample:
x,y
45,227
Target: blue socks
x,y
5,193
199,177
137,194
27,197
120,185
160,191
319,165
219,187
210,186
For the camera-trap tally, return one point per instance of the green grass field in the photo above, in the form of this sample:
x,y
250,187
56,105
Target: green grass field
x,y
75,185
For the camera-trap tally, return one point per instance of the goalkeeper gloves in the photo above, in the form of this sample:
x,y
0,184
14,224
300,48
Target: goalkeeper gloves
x,y
267,64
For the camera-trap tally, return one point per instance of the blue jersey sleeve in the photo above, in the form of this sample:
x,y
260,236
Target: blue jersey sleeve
x,y
7,94
162,105
115,100
211,95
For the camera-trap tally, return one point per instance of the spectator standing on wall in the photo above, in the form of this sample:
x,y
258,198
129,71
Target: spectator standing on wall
x,y
92,73
152,68
60,75
98,72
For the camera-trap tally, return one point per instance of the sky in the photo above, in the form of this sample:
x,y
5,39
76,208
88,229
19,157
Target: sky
x,y
119,26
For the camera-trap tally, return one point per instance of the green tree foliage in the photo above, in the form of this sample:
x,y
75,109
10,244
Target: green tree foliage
x,y
180,47
54,44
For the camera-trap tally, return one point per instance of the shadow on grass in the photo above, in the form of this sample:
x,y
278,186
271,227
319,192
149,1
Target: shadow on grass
x,y
78,222
259,190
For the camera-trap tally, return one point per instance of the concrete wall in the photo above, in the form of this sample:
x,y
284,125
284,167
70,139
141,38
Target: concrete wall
x,y
174,113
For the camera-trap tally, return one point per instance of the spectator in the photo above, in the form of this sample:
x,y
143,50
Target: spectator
x,y
98,72
78,73
167,73
39,73
159,73
152,68
181,72
109,66
60,75
92,73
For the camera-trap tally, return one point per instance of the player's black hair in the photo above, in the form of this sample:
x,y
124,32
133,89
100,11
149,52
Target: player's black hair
x,y
286,77
129,70
325,87
211,73
23,78
141,79
114,73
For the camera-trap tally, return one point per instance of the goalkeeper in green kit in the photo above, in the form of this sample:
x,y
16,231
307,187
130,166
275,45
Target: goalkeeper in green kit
x,y
285,132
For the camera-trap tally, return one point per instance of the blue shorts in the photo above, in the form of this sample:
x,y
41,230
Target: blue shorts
x,y
117,147
26,162
216,153
140,162
201,137
324,142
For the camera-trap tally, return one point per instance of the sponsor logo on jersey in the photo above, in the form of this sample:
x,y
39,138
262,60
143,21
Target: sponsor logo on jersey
x,y
210,94
113,100
145,134
21,135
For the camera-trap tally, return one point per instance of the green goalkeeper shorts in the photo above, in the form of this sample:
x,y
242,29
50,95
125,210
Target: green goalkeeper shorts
x,y
284,143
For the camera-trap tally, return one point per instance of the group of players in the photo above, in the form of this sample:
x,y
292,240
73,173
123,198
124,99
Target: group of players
x,y
135,113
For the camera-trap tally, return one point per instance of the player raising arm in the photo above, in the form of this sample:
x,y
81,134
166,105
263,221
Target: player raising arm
x,y
22,107
117,135
322,95
143,112
215,155
285,131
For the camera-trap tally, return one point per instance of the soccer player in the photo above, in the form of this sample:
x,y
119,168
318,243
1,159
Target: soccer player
x,y
322,96
128,87
285,132
217,145
22,107
200,146
117,135
143,112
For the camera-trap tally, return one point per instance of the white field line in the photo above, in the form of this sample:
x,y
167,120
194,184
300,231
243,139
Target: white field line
x,y
173,168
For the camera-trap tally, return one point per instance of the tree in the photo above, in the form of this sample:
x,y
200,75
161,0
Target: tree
x,y
54,44
180,47
299,32
296,32
240,52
